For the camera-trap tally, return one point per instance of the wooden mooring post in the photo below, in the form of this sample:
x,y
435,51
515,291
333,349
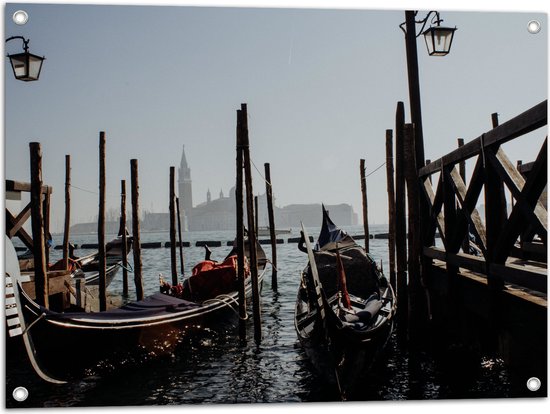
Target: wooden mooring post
x,y
124,237
173,259
271,218
67,224
251,230
365,203
135,229
400,220
417,317
101,226
40,272
391,205
180,239
240,229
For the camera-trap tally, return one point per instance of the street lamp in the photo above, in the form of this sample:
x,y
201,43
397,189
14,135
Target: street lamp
x,y
438,41
26,66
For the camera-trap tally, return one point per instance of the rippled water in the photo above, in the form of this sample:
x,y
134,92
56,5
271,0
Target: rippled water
x,y
214,368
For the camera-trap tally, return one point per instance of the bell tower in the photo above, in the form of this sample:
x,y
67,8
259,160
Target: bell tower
x,y
185,190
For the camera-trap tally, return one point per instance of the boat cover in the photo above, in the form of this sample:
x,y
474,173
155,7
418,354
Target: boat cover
x,y
153,305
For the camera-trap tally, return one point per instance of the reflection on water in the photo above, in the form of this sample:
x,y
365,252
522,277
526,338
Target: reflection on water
x,y
213,367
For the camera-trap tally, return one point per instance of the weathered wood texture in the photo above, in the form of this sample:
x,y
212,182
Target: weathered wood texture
x,y
67,224
500,235
37,222
271,218
101,226
135,229
240,227
364,202
391,205
251,226
172,209
124,237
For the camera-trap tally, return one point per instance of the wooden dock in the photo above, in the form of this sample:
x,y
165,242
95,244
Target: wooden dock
x,y
496,297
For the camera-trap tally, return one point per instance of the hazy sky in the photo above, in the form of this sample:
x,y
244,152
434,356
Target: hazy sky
x,y
321,88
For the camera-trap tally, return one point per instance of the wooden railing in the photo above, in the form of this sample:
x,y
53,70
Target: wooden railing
x,y
513,244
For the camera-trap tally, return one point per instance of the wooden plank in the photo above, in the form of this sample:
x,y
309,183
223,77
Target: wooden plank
x,y
16,224
56,283
530,120
435,202
528,196
19,186
530,277
470,215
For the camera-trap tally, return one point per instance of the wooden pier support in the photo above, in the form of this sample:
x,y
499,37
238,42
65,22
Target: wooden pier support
x,y
391,205
418,316
400,219
101,226
135,229
240,228
173,259
271,218
365,203
67,224
251,230
40,276
124,237
178,214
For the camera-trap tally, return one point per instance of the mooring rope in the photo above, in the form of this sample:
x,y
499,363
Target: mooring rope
x,y
220,298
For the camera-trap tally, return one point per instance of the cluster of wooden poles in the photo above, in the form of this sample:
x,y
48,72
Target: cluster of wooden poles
x,y
243,177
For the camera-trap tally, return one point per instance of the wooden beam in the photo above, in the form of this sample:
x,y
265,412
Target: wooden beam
x,y
530,120
15,224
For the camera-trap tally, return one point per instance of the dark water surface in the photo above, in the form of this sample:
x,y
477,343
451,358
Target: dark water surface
x,y
214,368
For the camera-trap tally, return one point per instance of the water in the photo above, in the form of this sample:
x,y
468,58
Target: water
x,y
214,368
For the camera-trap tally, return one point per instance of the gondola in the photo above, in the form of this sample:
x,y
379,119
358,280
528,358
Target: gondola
x,y
344,313
88,266
63,346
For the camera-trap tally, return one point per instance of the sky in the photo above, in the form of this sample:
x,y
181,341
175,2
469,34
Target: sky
x,y
321,86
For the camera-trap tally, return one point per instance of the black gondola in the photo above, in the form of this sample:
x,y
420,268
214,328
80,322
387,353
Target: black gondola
x,y
343,321
88,266
61,346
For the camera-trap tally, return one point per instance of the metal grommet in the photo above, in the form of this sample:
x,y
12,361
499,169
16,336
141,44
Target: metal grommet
x,y
533,27
20,17
20,394
533,384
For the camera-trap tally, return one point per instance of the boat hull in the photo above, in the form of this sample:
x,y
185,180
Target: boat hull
x,y
66,347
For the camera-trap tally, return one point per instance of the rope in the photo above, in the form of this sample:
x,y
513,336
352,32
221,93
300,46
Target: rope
x,y
376,169
130,269
263,178
93,192
220,298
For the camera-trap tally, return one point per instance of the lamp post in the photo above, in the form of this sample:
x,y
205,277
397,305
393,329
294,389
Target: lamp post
x,y
438,41
26,66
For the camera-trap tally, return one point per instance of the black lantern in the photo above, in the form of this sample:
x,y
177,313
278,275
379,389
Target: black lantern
x,y
439,40
26,66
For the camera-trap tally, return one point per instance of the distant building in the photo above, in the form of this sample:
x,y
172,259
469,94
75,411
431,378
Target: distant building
x,y
219,214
